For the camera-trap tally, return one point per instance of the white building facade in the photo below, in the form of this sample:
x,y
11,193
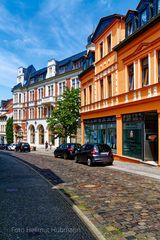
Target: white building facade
x,y
35,96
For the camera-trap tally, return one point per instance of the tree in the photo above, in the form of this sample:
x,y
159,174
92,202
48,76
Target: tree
x,y
65,117
9,130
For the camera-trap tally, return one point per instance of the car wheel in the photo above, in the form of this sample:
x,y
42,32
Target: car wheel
x,y
65,156
76,159
89,162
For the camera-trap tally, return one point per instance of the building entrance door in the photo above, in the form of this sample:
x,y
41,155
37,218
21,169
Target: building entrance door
x,y
151,137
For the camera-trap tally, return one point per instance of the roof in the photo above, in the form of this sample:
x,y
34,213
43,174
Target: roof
x,y
104,23
39,72
19,85
130,11
91,67
71,59
141,2
139,31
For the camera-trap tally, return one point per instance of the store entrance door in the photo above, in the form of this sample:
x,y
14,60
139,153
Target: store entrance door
x,y
151,137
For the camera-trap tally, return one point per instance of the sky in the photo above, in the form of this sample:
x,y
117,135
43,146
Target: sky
x,y
34,31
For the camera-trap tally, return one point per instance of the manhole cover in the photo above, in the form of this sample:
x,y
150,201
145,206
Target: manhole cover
x,y
89,186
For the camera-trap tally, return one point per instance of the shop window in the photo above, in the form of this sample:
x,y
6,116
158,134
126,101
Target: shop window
x,y
130,28
159,66
131,77
101,50
145,79
101,89
143,17
109,86
109,43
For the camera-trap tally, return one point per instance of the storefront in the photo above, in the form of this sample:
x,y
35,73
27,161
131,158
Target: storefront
x,y
101,130
140,136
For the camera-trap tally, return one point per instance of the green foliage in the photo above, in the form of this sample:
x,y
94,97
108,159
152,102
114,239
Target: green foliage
x,y
64,120
9,130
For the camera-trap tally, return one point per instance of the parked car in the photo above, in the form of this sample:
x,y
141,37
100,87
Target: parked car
x,y
22,147
2,146
67,150
12,147
6,146
92,153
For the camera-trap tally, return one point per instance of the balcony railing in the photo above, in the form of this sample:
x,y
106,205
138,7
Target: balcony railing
x,y
48,100
125,98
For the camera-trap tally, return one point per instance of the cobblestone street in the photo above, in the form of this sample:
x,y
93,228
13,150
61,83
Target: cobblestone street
x,y
121,205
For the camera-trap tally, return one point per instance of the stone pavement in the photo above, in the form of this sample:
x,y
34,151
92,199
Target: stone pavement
x,y
31,209
140,169
123,205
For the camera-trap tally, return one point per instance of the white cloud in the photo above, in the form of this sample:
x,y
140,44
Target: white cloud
x,y
9,64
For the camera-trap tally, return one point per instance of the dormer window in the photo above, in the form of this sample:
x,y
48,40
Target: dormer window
x,y
76,65
143,17
151,8
130,28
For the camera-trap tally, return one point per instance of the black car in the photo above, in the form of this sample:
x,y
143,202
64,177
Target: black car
x,y
22,147
2,146
67,150
91,153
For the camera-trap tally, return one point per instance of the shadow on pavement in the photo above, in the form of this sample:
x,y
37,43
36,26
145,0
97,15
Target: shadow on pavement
x,y
47,173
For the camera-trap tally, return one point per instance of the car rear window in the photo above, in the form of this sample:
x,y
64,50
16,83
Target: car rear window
x,y
103,148
25,144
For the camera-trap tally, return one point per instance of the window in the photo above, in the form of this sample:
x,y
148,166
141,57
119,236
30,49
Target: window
x,y
130,28
131,77
90,94
76,65
49,91
73,83
101,89
101,50
145,72
143,17
109,43
42,92
158,6
109,86
159,66
84,92
60,88
62,70
32,95
64,86
151,8
19,98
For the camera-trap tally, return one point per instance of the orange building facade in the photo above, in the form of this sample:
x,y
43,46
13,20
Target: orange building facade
x,y
121,93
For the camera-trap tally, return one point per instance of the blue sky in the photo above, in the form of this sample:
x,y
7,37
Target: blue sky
x,y
34,31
